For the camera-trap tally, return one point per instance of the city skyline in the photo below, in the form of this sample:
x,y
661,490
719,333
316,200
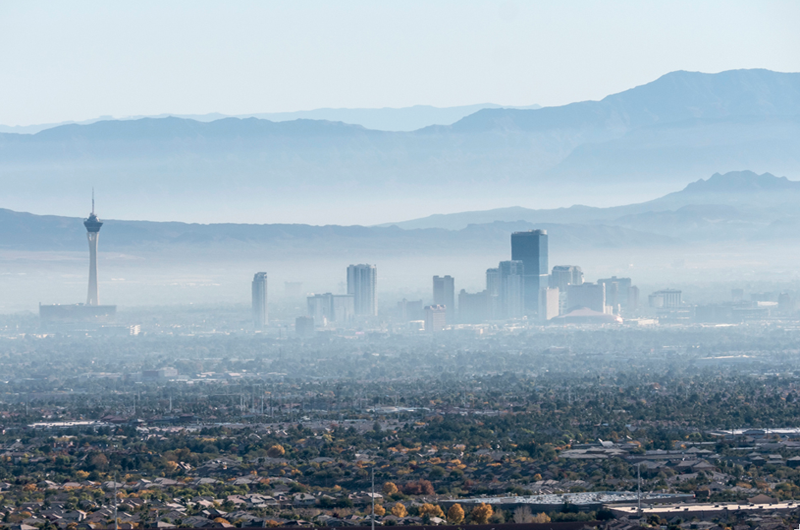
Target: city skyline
x,y
517,266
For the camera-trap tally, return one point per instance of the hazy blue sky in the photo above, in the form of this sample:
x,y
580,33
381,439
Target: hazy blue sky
x,y
79,60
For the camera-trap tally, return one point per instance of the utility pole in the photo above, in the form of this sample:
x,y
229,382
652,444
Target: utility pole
x,y
639,487
116,519
373,497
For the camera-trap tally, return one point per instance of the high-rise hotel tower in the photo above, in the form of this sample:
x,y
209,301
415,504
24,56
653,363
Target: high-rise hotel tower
x,y
259,291
362,283
531,249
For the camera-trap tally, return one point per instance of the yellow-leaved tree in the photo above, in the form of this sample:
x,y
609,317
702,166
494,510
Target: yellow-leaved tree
x,y
398,510
389,488
379,510
455,514
276,451
431,510
481,513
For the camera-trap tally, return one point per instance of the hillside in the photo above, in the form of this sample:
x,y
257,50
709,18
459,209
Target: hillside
x,y
27,232
638,143
736,205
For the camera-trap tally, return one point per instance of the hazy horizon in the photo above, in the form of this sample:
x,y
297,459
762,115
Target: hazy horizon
x,y
206,57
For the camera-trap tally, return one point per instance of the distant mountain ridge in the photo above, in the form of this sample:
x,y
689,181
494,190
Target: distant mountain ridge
x,y
642,142
738,204
28,232
380,119
674,97
720,208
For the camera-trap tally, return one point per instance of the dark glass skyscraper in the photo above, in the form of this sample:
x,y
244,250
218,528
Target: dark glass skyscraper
x,y
531,249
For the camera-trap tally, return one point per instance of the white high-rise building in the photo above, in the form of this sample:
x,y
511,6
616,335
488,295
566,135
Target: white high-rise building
x,y
362,283
444,294
260,311
512,288
494,291
327,307
548,303
589,295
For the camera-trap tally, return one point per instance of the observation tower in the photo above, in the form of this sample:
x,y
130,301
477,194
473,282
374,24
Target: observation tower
x,y
92,225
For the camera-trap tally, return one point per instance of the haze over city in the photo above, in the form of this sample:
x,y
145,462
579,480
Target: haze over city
x,y
511,265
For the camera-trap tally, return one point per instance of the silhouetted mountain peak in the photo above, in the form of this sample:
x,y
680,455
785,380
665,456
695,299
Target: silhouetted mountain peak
x,y
673,97
152,129
742,182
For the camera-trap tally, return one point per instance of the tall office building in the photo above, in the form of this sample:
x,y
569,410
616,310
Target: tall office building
x,y
473,308
409,310
259,291
531,249
362,283
92,225
564,275
666,298
435,318
444,294
326,308
588,295
618,294
494,291
513,289
548,303
320,308
561,277
633,298
304,326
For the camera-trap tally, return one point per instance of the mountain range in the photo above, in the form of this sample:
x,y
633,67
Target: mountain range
x,y
625,148
737,203
737,206
383,119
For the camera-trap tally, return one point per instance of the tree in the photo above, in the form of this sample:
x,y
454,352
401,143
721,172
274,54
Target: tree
x,y
481,513
98,461
431,510
455,514
379,510
389,488
276,451
398,510
419,487
523,515
541,518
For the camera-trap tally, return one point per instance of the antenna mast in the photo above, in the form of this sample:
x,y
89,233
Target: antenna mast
x,y
92,200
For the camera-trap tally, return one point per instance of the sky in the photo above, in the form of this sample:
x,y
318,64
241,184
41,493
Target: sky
x,y
63,61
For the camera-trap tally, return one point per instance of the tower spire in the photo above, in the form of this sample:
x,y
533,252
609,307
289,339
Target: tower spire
x,y
92,225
